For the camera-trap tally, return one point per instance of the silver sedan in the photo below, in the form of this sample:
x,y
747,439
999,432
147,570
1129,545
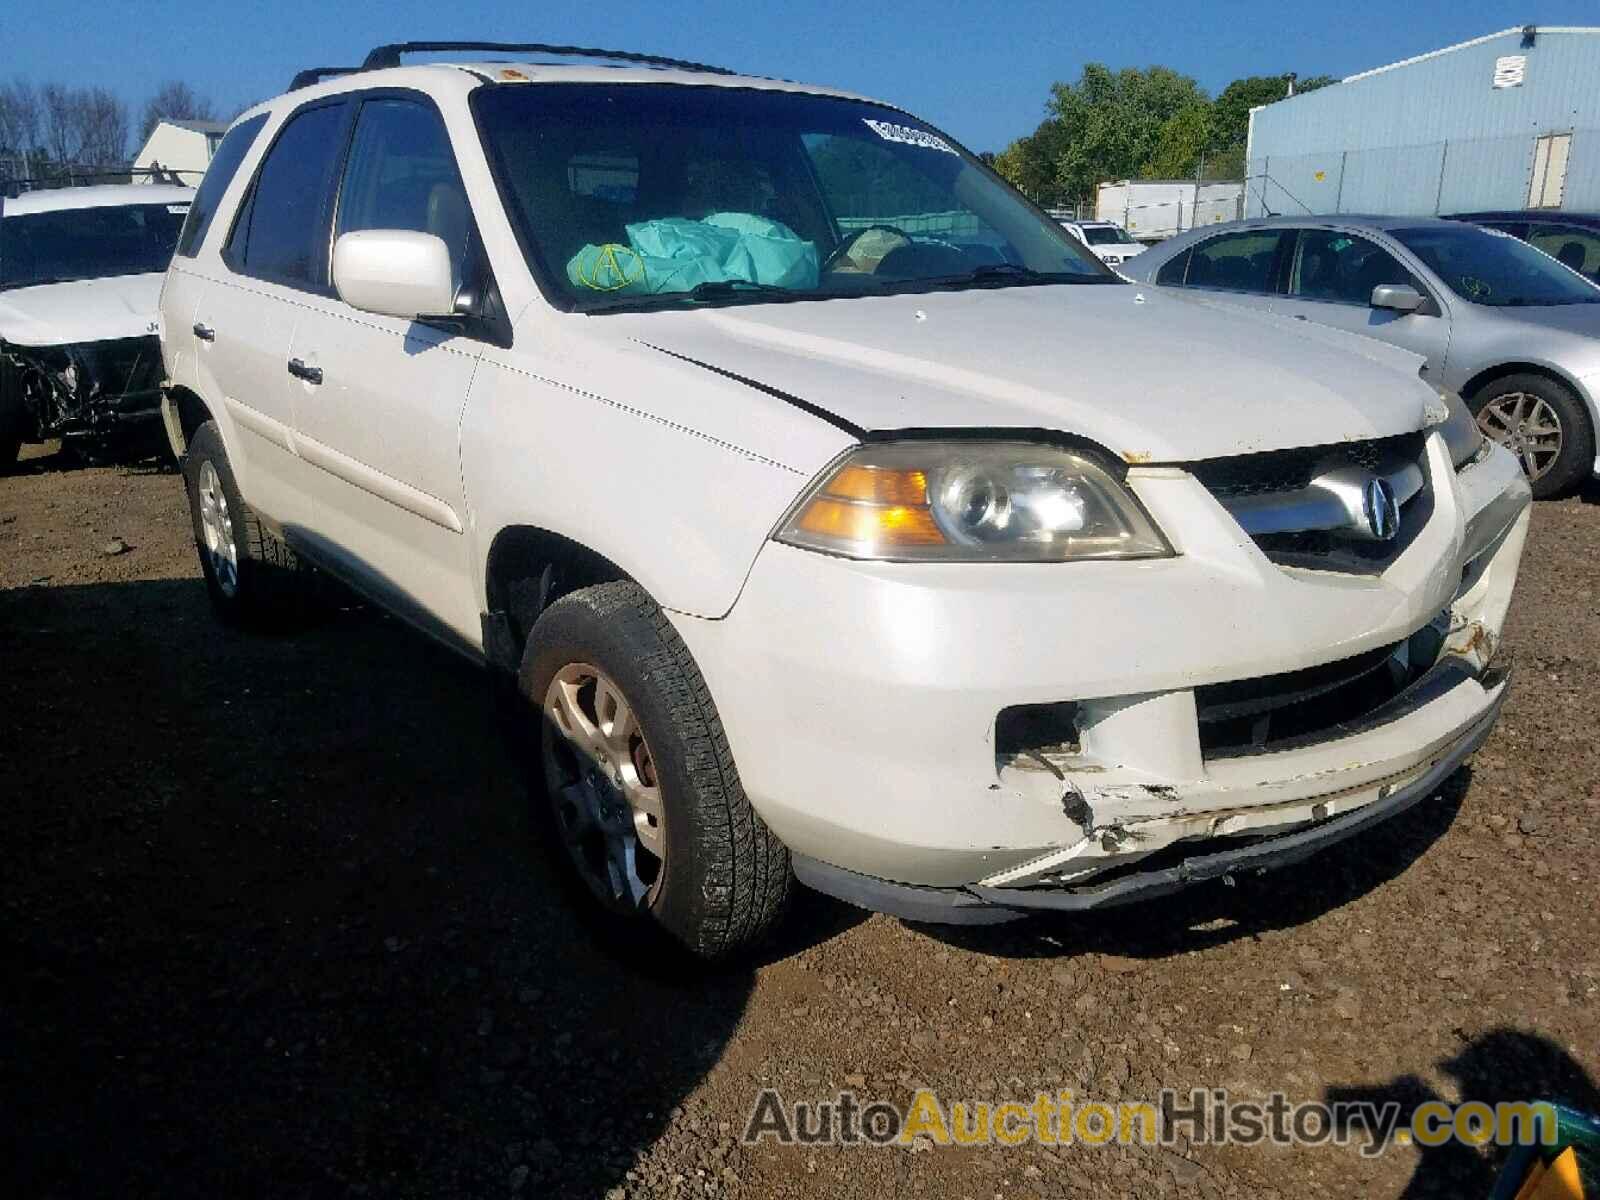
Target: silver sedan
x,y
1511,329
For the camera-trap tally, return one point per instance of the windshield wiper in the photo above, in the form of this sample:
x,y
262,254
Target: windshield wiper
x,y
1007,270
710,290
1006,274
716,289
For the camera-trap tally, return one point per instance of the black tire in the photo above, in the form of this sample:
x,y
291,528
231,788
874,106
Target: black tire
x,y
1575,462
13,420
272,589
725,877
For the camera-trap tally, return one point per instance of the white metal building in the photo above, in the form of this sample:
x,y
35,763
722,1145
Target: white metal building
x,y
181,147
1506,121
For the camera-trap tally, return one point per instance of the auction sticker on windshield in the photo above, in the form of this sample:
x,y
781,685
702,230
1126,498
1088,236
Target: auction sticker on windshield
x,y
891,132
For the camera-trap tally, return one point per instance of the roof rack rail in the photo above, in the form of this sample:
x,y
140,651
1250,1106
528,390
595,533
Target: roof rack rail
x,y
389,56
14,187
317,74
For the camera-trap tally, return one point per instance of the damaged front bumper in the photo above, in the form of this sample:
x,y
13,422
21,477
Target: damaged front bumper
x,y
1214,713
87,389
1139,859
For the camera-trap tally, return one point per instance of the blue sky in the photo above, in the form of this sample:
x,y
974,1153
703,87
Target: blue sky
x,y
979,70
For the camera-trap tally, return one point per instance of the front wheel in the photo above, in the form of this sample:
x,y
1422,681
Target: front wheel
x,y
636,782
1544,424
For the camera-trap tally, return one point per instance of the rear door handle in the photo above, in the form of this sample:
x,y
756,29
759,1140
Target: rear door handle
x,y
299,370
204,332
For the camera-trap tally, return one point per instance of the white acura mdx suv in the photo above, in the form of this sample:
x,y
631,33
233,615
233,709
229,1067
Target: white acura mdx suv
x,y
838,514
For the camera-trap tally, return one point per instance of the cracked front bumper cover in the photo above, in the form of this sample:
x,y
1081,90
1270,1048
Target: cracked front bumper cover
x,y
976,904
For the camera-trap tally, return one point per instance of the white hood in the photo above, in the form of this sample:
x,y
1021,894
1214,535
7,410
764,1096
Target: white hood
x,y
85,310
1153,378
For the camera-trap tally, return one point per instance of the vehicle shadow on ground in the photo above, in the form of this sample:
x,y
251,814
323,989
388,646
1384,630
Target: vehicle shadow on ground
x,y
1503,1065
1214,913
144,457
274,927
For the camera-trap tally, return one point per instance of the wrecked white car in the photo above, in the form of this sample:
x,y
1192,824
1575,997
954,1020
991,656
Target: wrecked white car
x,y
80,281
839,515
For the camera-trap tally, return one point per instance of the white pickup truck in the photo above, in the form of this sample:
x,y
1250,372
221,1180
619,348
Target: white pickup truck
x,y
839,516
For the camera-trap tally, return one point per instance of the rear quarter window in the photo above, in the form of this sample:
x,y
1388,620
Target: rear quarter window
x,y
219,174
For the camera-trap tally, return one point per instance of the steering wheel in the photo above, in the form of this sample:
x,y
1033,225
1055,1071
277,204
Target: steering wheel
x,y
843,248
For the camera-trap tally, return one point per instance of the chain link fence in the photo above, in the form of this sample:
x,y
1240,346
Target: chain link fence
x,y
1543,170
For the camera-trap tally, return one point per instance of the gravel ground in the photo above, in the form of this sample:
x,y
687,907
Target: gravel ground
x,y
273,926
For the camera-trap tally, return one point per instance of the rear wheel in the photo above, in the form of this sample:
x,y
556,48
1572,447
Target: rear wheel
x,y
10,447
1544,424
255,581
636,781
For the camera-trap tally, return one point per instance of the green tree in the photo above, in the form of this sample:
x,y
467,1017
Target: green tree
x,y
1180,144
1152,124
1113,121
1029,163
1230,113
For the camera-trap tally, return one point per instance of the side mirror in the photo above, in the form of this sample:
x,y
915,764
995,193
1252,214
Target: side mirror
x,y
1401,297
394,272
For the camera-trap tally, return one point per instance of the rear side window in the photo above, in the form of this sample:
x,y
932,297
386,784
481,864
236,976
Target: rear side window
x,y
224,166
1236,262
402,175
281,233
1578,248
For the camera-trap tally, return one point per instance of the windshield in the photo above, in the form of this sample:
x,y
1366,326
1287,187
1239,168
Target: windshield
x,y
645,195
1496,269
1106,235
88,243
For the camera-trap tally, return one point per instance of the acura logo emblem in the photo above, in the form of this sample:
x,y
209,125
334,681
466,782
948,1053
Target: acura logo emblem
x,y
1382,510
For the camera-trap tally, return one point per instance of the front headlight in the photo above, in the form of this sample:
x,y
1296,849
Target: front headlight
x,y
971,502
1459,428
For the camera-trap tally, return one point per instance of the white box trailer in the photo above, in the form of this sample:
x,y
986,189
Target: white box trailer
x,y
1153,209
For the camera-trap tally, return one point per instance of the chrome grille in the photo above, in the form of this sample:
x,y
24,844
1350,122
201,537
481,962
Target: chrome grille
x,y
1292,470
1310,507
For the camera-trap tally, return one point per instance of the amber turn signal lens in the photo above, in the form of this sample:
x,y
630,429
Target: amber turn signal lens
x,y
881,526
878,485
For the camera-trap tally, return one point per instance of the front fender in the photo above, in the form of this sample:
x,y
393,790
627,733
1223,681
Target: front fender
x,y
683,511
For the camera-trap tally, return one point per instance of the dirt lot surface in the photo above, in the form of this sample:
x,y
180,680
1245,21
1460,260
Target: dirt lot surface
x,y
273,926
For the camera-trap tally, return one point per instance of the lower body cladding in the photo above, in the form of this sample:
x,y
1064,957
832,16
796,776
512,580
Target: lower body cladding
x,y
970,743
89,389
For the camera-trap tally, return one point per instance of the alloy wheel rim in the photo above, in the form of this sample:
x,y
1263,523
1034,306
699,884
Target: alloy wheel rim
x,y
216,526
1527,426
601,779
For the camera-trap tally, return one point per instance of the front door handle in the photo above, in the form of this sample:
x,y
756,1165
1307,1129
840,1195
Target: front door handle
x,y
299,370
204,332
